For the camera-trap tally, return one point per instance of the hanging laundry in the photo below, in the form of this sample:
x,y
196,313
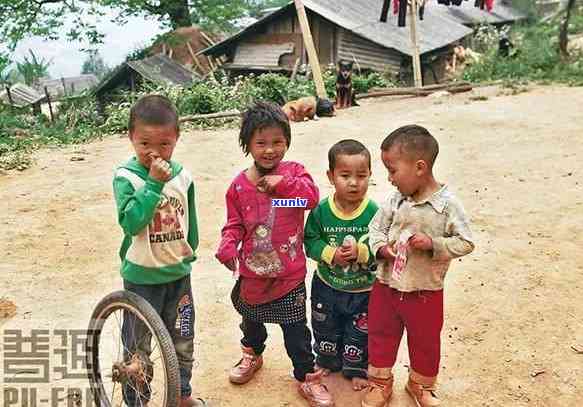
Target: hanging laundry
x,y
422,9
385,10
402,13
400,8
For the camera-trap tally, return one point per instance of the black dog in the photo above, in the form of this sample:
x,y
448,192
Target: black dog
x,y
345,96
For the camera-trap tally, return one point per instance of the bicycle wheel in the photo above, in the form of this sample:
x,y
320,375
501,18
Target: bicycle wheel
x,y
130,355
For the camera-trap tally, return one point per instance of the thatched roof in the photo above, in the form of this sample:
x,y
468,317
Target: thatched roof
x,y
183,43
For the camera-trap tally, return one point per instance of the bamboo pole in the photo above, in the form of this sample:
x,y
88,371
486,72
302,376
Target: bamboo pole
x,y
413,91
206,38
312,54
436,87
195,59
219,115
418,80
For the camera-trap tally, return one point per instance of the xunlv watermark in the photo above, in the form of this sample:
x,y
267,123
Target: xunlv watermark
x,y
289,203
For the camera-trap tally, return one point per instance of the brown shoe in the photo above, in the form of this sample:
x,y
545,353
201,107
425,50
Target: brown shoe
x,y
378,392
423,394
314,391
244,371
190,402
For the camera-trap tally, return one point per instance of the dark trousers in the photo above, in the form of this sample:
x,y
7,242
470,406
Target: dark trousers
x,y
339,322
173,302
296,337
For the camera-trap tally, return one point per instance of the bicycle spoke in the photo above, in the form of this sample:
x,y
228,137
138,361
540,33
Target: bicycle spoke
x,y
119,326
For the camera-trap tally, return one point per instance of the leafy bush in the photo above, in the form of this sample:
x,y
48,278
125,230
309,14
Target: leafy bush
x,y
78,120
536,56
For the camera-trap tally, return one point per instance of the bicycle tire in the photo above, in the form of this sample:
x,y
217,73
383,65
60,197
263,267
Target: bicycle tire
x,y
128,301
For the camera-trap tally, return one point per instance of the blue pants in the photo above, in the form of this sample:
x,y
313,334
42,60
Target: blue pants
x,y
340,325
173,302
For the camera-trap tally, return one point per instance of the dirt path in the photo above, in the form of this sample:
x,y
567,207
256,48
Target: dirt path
x,y
513,308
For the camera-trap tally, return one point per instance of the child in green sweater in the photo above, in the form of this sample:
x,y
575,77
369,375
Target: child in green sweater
x,y
156,210
336,237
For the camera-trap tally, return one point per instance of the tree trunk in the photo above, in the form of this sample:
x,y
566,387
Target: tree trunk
x,y
563,35
179,13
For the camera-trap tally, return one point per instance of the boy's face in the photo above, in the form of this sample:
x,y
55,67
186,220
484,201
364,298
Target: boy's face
x,y
268,147
152,141
350,177
404,171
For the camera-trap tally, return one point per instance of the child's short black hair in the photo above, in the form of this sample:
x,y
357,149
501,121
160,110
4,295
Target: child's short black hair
x,y
347,147
415,141
153,110
260,116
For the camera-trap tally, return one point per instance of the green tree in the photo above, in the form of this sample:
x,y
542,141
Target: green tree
x,y
29,70
45,18
94,64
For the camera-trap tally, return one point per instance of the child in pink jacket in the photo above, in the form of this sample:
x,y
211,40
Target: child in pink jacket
x,y
263,242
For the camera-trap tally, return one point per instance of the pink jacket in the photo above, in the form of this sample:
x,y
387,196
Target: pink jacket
x,y
264,234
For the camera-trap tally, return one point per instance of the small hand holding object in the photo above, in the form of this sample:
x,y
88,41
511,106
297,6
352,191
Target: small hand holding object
x,y
268,183
421,241
386,252
160,169
343,256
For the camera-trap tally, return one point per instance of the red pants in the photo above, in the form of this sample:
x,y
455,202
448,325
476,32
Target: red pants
x,y
421,313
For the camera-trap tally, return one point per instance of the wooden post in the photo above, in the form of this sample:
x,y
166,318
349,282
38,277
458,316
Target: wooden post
x,y
64,87
195,59
10,100
50,105
295,70
312,54
418,79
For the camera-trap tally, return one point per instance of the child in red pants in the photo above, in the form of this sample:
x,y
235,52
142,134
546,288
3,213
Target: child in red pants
x,y
415,234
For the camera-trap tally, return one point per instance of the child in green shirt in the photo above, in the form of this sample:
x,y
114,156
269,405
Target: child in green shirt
x,y
156,210
336,236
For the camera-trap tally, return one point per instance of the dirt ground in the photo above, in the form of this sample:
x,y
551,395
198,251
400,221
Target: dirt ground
x,y
513,307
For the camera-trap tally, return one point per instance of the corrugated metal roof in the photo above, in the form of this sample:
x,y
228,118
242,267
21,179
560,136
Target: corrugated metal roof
x,y
158,69
22,95
441,26
469,15
74,85
362,17
161,69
